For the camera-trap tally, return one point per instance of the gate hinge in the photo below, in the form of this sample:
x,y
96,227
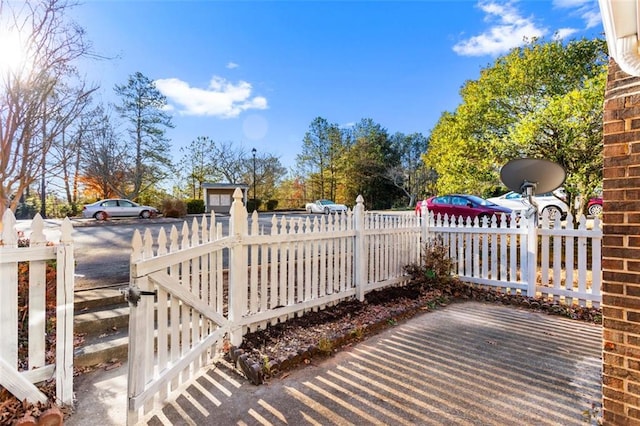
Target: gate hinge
x,y
133,294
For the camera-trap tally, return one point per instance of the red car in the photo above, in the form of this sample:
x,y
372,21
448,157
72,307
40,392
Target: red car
x,y
461,205
594,207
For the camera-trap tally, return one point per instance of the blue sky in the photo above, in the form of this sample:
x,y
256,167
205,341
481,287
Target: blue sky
x,y
256,73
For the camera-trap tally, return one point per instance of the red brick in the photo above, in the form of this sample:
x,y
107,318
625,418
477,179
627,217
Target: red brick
x,y
621,252
611,217
613,288
634,413
615,195
613,264
615,360
633,265
622,302
617,126
615,148
613,383
612,393
620,325
632,290
615,313
615,172
631,315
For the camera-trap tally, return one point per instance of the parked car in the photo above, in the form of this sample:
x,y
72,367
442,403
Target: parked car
x,y
547,203
325,206
462,205
594,207
116,207
421,205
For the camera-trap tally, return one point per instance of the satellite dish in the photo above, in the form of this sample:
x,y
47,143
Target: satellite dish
x,y
532,175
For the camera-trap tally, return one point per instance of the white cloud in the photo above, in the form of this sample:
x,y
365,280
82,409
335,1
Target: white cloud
x,y
588,10
509,31
222,98
592,18
563,33
232,65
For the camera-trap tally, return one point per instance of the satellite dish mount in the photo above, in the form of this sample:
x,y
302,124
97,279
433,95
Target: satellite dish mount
x,y
530,175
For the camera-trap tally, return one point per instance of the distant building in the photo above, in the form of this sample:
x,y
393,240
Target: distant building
x,y
219,196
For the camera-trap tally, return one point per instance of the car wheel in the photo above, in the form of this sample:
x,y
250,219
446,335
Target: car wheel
x,y
146,214
552,211
595,210
100,216
326,210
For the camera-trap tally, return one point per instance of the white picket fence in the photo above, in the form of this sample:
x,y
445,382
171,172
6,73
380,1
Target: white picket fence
x,y
552,261
302,264
19,377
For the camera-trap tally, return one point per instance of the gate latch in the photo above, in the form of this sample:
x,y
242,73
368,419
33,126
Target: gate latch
x,y
133,294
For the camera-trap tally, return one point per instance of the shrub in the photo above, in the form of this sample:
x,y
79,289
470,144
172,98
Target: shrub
x,y
436,264
172,207
272,205
253,205
195,206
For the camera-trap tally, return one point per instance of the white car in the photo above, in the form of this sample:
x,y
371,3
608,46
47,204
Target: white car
x,y
547,202
115,207
325,206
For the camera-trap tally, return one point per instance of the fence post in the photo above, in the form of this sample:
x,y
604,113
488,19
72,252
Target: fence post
x,y
425,222
9,294
360,257
64,326
532,253
238,277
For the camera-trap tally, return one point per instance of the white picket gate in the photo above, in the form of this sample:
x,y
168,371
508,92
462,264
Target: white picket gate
x,y
302,264
19,377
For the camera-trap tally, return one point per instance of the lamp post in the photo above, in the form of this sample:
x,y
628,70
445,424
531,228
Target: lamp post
x,y
255,203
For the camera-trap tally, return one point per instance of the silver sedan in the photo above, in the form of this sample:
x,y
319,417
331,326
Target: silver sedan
x,y
116,207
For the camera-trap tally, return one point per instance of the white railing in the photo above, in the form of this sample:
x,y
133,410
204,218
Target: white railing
x,y
552,261
19,372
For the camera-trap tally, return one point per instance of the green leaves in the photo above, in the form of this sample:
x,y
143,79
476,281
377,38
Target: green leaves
x,y
541,100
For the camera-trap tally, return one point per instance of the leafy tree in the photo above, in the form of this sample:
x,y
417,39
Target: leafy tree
x,y
367,163
569,131
322,147
268,174
410,175
468,147
230,162
198,165
142,106
105,168
67,154
40,93
290,193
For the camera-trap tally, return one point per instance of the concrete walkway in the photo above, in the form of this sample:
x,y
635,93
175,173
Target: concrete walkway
x,y
466,364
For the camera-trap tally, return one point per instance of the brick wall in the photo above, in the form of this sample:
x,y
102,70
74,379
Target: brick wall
x,y
621,250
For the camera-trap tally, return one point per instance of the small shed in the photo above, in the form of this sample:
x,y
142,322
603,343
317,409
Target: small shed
x,y
219,196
